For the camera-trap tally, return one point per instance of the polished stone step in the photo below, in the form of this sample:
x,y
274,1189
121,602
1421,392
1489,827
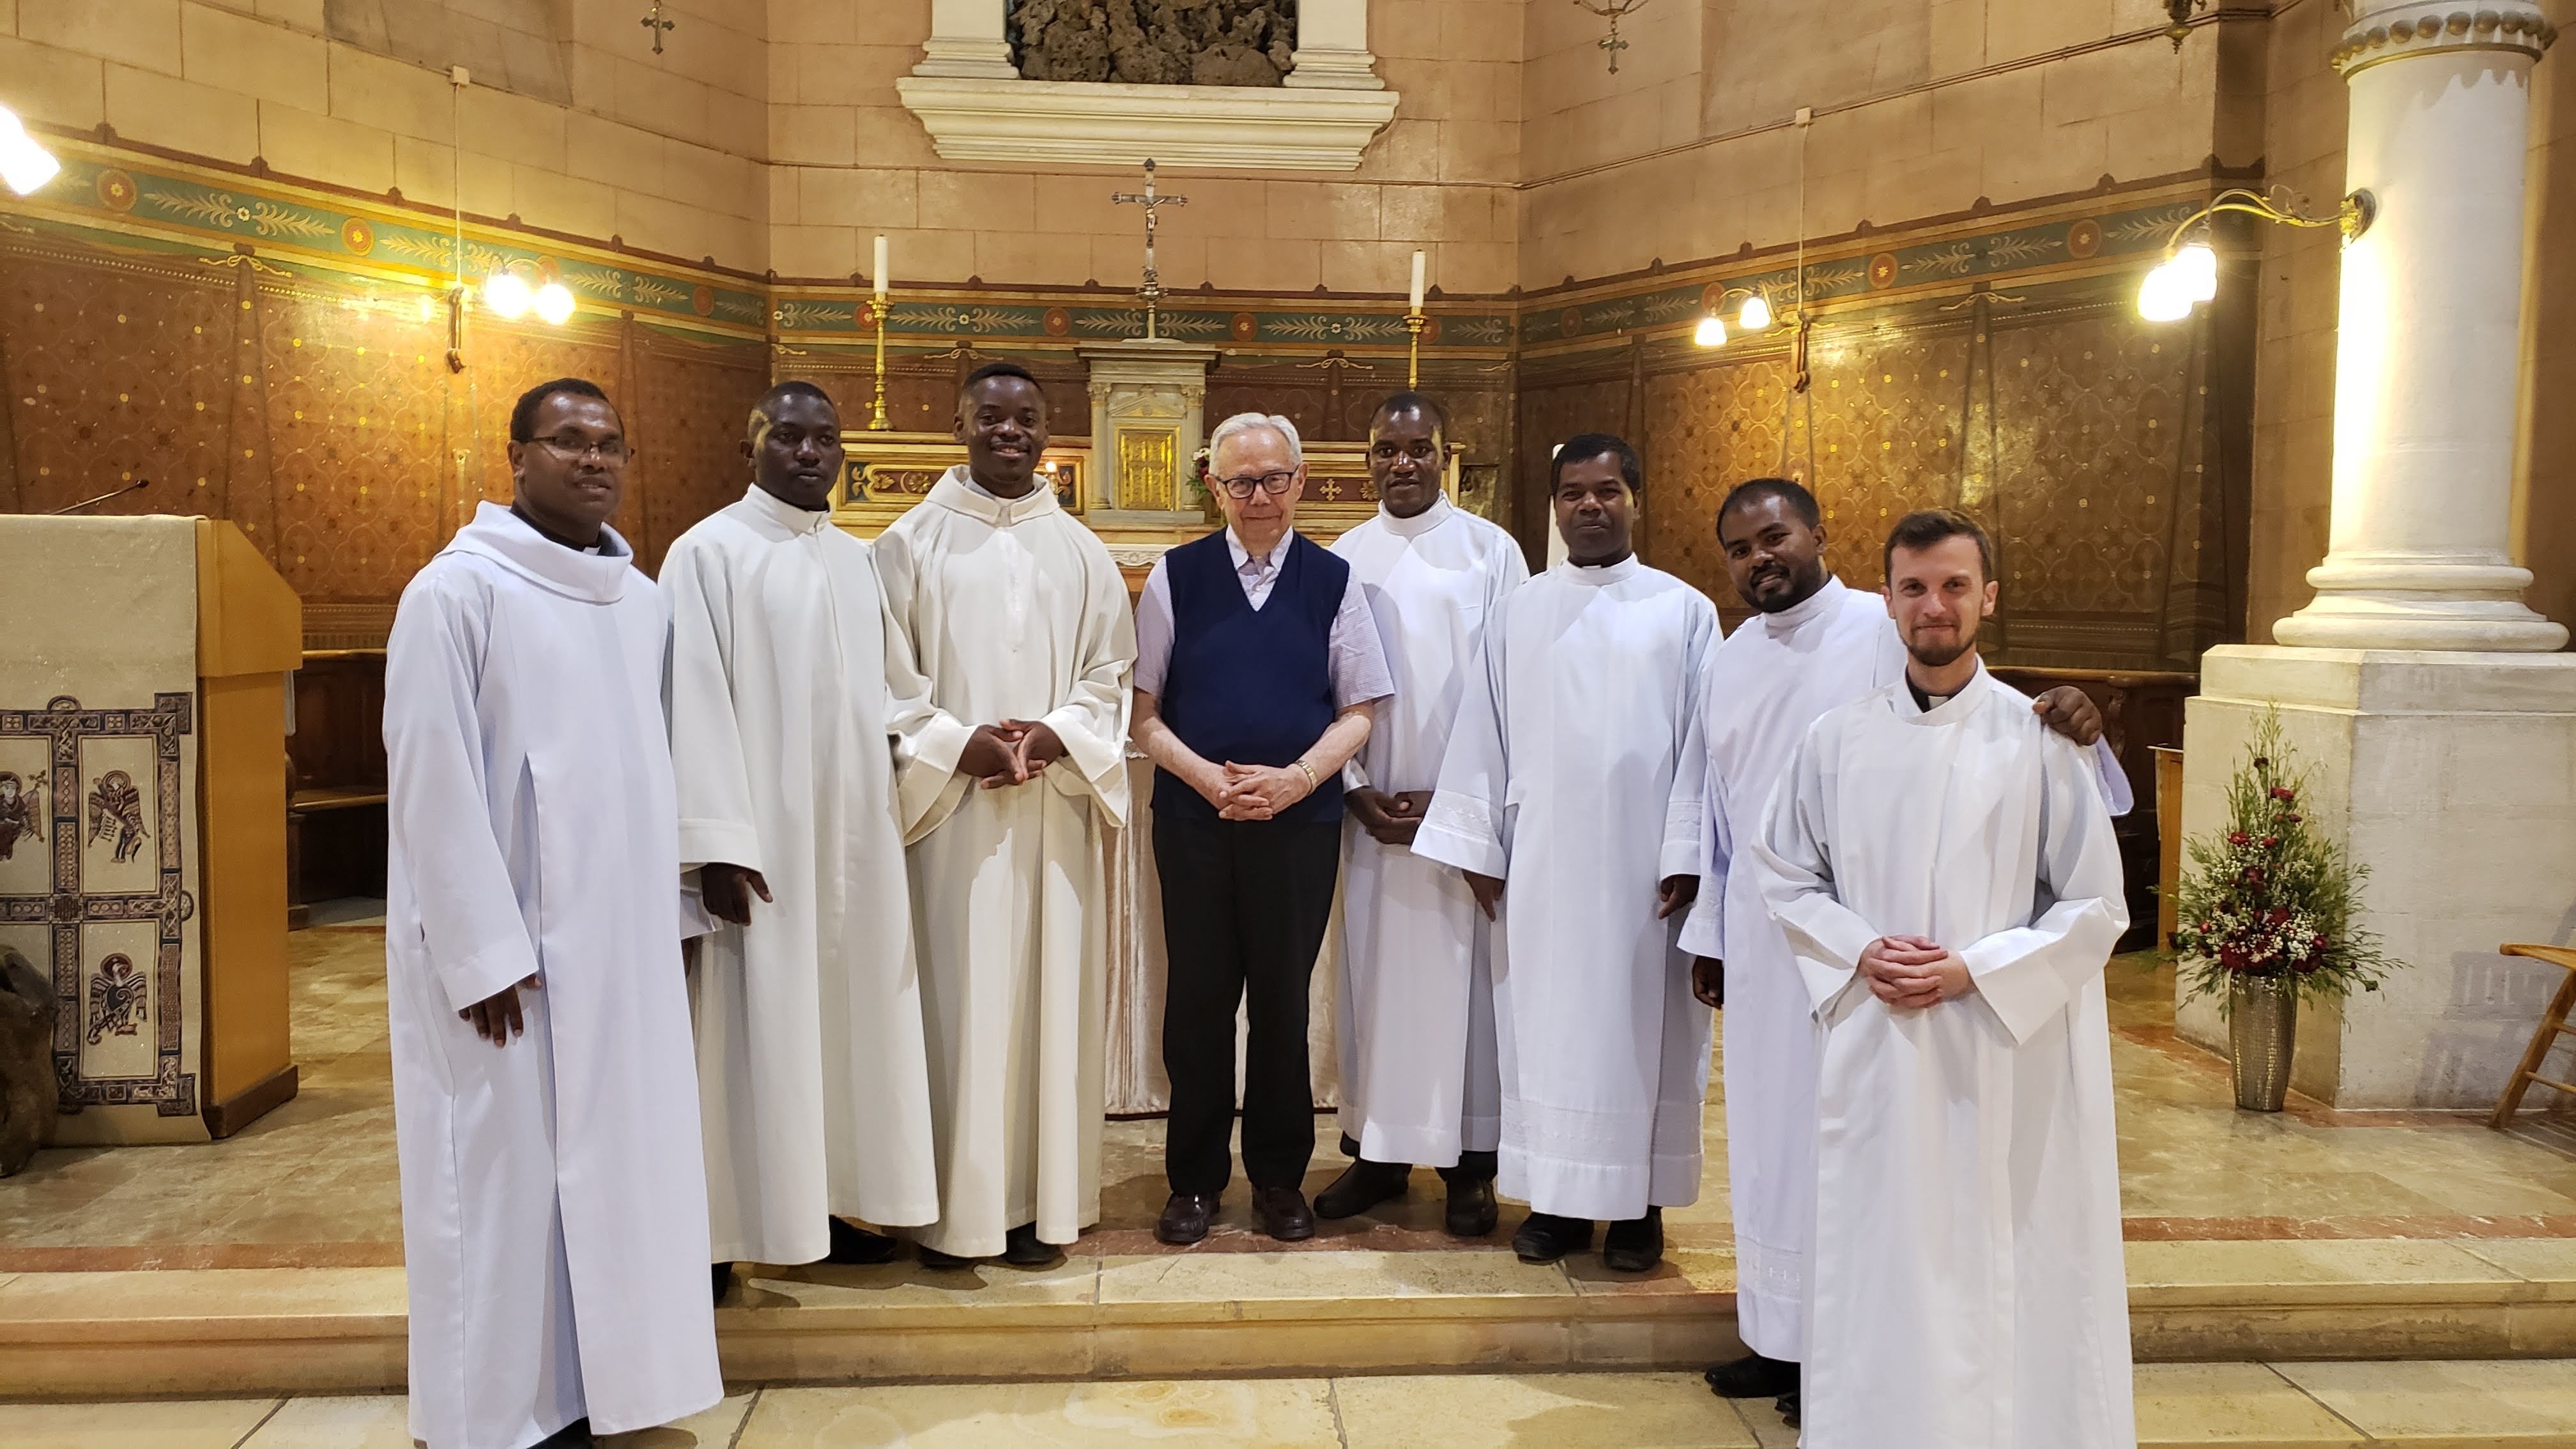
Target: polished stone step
x,y
1221,1314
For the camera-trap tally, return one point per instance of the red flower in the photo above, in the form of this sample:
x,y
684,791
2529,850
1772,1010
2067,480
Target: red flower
x,y
2237,837
2284,792
2261,763
2310,964
2270,840
2279,916
2291,819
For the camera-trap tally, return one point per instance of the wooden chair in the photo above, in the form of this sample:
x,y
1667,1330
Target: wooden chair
x,y
2553,1022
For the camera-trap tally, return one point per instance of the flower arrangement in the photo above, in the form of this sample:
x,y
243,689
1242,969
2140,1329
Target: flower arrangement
x,y
2270,900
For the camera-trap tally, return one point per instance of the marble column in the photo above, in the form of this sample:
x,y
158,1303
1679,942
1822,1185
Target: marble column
x,y
969,40
2423,700
1332,47
2426,348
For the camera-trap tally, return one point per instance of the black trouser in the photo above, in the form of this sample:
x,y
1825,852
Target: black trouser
x,y
1473,1166
1245,906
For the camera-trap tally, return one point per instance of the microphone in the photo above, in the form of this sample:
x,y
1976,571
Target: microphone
x,y
138,483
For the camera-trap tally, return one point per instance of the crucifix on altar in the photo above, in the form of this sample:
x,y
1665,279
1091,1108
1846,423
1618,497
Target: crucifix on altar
x,y
1153,202
1148,401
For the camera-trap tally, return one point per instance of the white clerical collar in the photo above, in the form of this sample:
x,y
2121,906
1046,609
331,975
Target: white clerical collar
x,y
507,539
1817,605
960,493
1278,551
1943,711
786,515
1420,523
1601,575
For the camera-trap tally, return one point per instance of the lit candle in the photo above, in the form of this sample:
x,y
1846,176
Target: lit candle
x,y
1417,282
881,269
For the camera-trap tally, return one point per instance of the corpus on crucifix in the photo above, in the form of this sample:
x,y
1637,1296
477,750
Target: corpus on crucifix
x,y
659,26
1153,202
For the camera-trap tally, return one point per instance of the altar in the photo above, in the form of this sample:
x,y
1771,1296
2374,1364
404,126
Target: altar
x,y
886,473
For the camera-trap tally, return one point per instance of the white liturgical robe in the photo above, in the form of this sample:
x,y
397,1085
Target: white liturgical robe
x,y
1967,1290
554,1179
811,1073
1774,676
1415,1013
1009,609
1574,774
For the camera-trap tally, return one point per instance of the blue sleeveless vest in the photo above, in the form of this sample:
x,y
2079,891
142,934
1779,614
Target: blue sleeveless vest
x,y
1253,686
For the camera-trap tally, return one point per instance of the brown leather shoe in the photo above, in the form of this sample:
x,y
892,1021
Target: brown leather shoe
x,y
1282,1213
1185,1218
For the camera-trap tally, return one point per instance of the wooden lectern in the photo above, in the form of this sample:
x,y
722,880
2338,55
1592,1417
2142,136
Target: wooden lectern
x,y
143,817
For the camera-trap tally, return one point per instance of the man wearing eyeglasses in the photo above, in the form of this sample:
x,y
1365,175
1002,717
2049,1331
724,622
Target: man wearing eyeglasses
x,y
546,1113
1258,667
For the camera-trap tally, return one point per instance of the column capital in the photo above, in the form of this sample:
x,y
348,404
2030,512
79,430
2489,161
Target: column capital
x,y
2387,30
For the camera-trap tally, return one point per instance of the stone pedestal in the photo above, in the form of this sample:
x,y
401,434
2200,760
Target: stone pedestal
x,y
2452,775
969,40
1332,47
1148,421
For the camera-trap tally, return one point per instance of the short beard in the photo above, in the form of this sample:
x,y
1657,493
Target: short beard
x,y
1939,658
1802,587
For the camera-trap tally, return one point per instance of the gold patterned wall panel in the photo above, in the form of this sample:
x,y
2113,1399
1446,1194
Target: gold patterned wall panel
x,y
692,401
121,373
2078,435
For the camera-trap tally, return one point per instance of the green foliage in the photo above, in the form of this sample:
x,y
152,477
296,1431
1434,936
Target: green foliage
x,y
2270,898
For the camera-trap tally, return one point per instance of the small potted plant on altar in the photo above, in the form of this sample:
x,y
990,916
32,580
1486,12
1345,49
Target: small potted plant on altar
x,y
2264,919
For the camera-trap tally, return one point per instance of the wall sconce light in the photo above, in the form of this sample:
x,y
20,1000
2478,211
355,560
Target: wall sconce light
x,y
2188,275
1756,317
24,165
507,294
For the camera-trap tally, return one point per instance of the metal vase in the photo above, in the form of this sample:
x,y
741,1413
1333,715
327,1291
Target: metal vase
x,y
2262,1032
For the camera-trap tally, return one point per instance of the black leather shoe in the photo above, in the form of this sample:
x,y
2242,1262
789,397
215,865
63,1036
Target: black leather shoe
x,y
1635,1245
1547,1237
855,1245
1282,1213
575,1435
724,1279
1362,1185
1185,1218
1788,1407
1021,1249
940,1262
1472,1211
1753,1377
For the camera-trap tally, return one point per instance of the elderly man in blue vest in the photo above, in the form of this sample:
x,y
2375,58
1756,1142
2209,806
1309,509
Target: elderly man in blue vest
x,y
1257,666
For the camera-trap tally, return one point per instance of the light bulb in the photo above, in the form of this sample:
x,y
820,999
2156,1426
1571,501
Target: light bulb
x,y
506,295
24,165
1756,316
2165,296
2197,266
1710,333
554,303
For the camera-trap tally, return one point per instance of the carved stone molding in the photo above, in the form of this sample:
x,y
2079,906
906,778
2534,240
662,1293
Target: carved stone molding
x,y
2434,27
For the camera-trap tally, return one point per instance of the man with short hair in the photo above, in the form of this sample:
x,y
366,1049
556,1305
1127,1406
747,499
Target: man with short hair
x,y
1943,867
1812,644
1008,654
546,1117
1416,1005
1257,669
1571,798
812,1079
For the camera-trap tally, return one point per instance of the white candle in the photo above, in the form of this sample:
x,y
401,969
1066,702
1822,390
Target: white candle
x,y
1417,282
881,269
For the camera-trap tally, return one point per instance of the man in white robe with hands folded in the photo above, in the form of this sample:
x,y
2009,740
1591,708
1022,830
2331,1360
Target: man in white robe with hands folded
x,y
813,1085
1944,869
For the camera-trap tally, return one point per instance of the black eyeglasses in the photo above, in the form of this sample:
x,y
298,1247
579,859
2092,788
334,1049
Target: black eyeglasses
x,y
1273,484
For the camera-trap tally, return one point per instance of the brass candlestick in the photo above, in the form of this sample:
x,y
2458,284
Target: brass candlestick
x,y
1414,322
877,413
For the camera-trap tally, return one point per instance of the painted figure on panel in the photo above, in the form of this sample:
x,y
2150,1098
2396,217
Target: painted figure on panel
x,y
116,998
22,811
114,802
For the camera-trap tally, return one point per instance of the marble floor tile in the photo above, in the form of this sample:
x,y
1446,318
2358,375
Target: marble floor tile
x,y
352,1421
908,1284
2384,1266
2467,1402
2231,1403
1258,1414
2540,1260
1252,1277
1538,1411
150,1424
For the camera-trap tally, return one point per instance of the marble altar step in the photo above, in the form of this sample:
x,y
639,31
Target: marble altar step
x,y
83,1335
